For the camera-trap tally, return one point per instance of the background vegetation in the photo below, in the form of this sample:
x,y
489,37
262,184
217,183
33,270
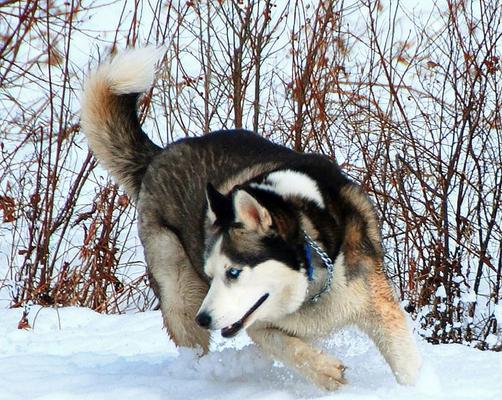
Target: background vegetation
x,y
408,100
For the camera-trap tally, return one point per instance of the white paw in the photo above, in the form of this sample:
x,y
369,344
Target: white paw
x,y
324,371
408,369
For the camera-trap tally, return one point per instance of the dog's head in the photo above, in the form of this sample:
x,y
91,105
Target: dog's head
x,y
254,258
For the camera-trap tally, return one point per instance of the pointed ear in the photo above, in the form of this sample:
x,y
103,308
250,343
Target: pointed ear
x,y
251,213
219,206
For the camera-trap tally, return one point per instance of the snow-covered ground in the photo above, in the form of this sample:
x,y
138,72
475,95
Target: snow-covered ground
x,y
74,353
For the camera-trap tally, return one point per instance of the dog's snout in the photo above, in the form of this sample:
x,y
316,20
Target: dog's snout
x,y
203,319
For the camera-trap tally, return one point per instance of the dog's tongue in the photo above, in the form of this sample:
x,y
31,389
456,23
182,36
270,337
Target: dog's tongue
x,y
232,330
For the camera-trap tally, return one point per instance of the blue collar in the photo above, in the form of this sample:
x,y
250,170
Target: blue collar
x,y
308,259
328,263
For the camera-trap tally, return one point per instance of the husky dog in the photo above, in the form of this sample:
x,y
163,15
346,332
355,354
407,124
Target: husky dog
x,y
240,233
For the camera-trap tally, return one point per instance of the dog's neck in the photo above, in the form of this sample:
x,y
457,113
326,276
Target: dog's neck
x,y
311,247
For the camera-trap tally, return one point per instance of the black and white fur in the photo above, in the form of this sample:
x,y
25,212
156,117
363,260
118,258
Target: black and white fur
x,y
223,217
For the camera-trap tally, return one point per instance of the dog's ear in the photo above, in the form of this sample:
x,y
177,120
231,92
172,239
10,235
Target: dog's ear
x,y
250,212
219,206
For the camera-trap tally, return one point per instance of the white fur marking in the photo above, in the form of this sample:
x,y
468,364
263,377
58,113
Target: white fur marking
x,y
215,260
132,71
292,183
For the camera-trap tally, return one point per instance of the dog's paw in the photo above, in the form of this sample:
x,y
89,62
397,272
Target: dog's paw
x,y
324,371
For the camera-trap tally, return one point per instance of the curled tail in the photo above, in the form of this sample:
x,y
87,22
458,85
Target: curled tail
x,y
109,116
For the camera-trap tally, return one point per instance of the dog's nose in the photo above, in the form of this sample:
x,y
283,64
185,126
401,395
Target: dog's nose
x,y
203,319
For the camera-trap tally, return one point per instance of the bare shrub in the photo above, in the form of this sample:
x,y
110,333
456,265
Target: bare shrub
x,y
52,253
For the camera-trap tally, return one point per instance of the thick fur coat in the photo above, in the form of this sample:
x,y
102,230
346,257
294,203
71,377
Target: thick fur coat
x,y
223,219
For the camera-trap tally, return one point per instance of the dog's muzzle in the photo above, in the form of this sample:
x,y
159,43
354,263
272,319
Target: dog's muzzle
x,y
204,319
232,330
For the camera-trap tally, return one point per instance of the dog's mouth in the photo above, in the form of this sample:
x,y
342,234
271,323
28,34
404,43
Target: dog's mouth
x,y
232,330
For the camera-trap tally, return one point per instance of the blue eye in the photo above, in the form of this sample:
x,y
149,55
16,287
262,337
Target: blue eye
x,y
233,273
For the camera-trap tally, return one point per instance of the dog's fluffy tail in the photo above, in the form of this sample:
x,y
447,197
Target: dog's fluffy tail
x,y
109,116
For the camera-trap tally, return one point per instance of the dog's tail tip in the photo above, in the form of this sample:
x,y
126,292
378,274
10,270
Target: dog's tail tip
x,y
131,71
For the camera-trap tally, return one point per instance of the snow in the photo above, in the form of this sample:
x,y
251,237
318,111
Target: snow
x,y
441,291
497,312
76,354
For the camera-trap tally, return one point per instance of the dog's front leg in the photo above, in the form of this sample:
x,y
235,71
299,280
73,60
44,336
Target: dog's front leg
x,y
177,285
318,367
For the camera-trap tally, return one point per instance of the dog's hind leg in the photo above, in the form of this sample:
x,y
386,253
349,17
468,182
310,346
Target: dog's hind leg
x,y
178,286
385,323
320,368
